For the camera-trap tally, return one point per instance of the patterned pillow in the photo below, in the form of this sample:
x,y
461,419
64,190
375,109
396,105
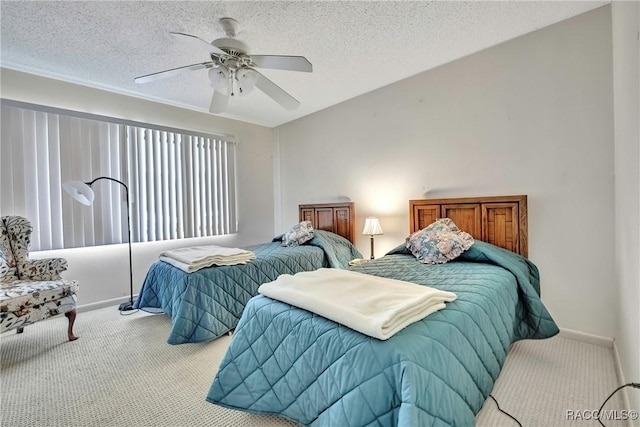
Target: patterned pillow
x,y
438,243
299,234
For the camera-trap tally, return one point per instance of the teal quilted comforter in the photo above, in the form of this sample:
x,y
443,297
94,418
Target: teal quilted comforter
x,y
436,372
207,303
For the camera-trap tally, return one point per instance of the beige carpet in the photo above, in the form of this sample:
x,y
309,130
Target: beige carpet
x,y
543,380
121,372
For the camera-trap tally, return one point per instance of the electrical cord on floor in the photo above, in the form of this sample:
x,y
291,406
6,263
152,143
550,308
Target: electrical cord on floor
x,y
505,412
126,308
152,310
634,385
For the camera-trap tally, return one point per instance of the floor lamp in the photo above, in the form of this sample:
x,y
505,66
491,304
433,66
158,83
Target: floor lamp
x,y
83,193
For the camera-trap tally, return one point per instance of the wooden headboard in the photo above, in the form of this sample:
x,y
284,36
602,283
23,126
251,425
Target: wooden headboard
x,y
501,221
339,218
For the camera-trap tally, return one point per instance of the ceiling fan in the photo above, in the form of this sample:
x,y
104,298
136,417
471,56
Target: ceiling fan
x,y
232,71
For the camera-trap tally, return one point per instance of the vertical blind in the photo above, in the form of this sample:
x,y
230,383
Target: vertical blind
x,y
184,187
181,184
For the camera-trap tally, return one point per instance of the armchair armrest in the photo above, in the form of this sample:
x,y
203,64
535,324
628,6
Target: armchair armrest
x,y
45,269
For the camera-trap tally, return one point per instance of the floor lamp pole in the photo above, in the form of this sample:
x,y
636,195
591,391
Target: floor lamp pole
x,y
128,306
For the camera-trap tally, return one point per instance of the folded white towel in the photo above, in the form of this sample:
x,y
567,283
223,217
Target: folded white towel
x,y
372,305
198,257
200,253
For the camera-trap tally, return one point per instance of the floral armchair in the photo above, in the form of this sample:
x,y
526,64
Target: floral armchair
x,y
31,290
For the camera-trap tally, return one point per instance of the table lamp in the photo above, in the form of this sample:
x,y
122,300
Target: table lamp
x,y
372,228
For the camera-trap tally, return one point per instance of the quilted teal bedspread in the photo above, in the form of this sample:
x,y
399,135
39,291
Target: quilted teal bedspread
x,y
436,372
207,303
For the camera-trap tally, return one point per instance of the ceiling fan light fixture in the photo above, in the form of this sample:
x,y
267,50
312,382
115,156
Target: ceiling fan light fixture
x,y
246,78
219,77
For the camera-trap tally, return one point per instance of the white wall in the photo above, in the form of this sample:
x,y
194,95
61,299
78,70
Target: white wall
x,y
103,271
626,79
531,116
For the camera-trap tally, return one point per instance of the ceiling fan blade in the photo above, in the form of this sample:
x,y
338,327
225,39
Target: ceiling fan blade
x,y
280,62
219,102
172,72
276,93
199,43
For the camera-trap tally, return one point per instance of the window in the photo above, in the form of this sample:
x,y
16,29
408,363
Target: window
x,y
181,184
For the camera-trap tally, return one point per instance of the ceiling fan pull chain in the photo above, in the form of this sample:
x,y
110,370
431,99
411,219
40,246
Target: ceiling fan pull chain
x,y
232,75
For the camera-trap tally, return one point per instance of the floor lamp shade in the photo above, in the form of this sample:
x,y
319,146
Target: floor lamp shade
x,y
80,191
84,194
372,228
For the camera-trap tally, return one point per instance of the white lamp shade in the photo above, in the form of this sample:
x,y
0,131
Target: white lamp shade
x,y
246,78
372,226
80,191
219,77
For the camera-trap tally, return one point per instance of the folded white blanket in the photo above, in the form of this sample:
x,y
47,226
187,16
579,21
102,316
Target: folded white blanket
x,y
197,257
372,305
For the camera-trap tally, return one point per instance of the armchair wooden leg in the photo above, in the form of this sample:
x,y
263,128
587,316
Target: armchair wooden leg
x,y
71,315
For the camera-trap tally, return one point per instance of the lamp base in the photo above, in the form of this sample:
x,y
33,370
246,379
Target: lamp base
x,y
125,306
372,257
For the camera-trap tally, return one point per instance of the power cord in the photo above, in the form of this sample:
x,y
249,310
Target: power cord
x,y
504,412
152,310
634,385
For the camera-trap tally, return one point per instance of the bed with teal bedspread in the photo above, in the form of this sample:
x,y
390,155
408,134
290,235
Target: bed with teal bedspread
x,y
436,372
207,303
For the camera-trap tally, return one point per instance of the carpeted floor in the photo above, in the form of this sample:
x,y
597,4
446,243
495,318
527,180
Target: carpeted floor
x,y
121,372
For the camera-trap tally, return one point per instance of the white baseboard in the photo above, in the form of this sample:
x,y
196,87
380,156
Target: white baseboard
x,y
586,337
103,304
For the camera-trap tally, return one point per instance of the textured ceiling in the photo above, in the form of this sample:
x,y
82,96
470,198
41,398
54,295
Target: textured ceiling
x,y
355,47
